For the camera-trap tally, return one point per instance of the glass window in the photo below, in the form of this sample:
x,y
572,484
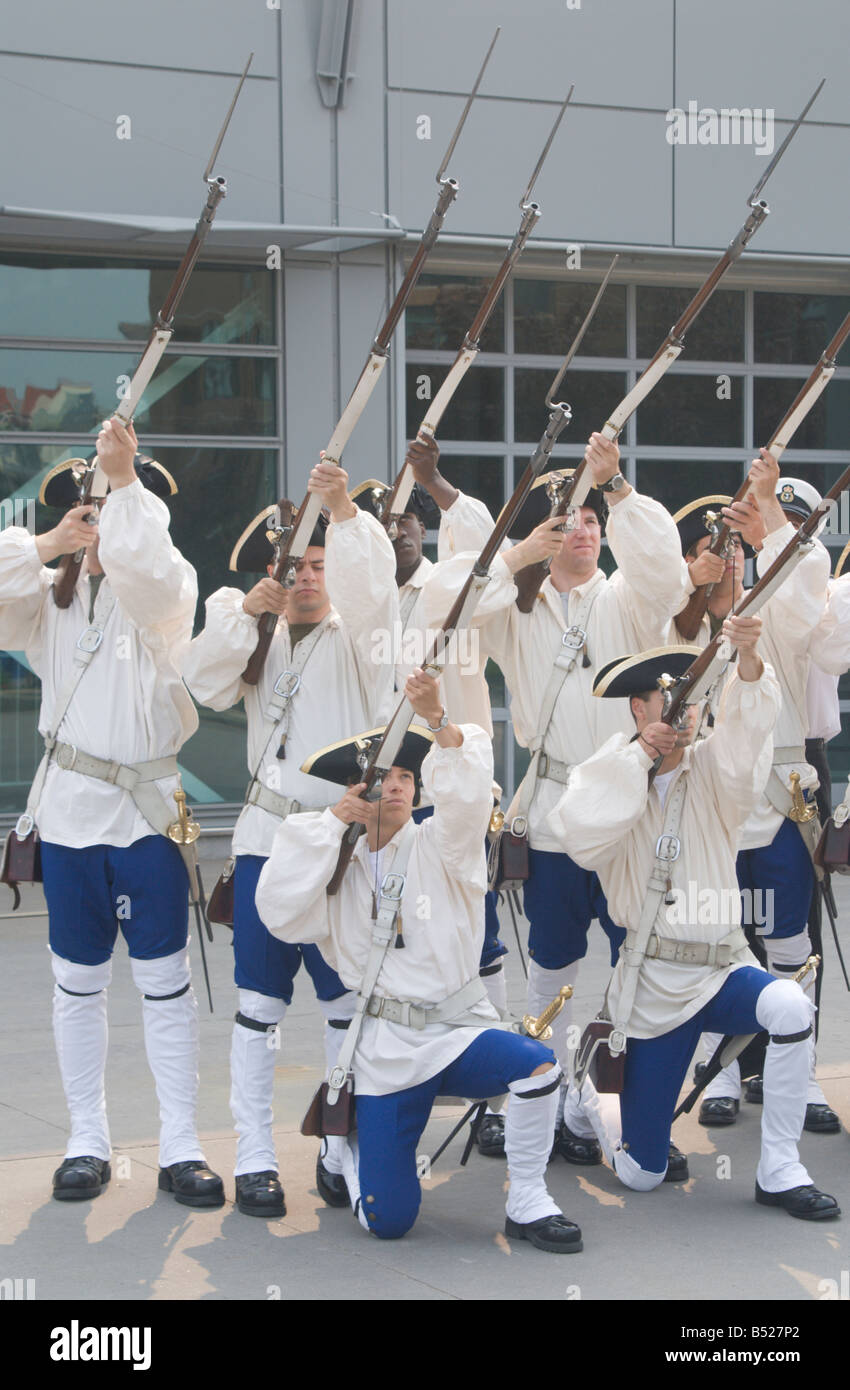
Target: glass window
x,y
72,392
693,411
477,410
549,313
675,484
796,328
825,426
592,395
478,476
441,310
48,297
717,335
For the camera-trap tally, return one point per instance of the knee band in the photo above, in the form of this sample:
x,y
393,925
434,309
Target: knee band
x,y
73,978
339,1012
259,1012
785,954
534,1087
785,1011
166,977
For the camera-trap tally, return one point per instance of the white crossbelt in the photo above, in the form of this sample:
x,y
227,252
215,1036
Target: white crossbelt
x,y
715,953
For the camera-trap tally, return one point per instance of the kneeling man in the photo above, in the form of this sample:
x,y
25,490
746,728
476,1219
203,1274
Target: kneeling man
x,y
424,1019
660,847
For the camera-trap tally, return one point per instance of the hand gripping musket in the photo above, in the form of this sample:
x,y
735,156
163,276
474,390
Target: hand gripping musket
x,y
393,501
731,1047
293,544
184,831
93,482
689,620
672,346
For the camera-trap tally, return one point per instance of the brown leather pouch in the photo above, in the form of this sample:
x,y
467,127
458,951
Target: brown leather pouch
x,y
833,848
322,1119
21,862
507,861
220,905
605,1069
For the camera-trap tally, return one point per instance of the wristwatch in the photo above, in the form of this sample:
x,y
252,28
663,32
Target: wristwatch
x,y
435,728
613,484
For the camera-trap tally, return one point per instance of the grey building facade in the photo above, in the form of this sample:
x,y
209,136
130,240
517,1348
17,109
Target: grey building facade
x,y
331,158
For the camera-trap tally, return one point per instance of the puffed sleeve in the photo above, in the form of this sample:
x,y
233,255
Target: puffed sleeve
x,y
156,587
494,613
605,798
213,663
796,608
652,579
738,755
361,584
829,646
459,781
291,897
465,525
24,586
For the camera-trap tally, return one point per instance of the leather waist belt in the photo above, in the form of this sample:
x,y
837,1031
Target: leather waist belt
x,y
124,775
554,769
454,1009
717,953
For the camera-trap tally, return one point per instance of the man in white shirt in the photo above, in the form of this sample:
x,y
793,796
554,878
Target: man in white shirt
x,y
693,972
320,679
112,764
426,1020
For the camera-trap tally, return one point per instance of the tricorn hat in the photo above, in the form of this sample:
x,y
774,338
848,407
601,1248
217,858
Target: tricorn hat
x,y
691,521
340,762
254,550
634,675
538,504
60,487
420,504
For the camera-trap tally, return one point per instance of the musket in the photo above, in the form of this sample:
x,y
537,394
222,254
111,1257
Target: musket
x,y
689,620
294,541
376,763
94,483
696,682
393,501
670,349
730,1047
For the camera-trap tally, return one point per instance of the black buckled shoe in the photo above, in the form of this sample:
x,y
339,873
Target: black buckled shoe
x,y
553,1233
260,1194
333,1189
490,1138
193,1184
754,1091
821,1119
677,1165
718,1110
77,1179
583,1152
806,1202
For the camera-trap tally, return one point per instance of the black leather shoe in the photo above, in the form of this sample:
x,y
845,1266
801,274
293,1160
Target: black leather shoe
x,y
79,1178
718,1110
807,1202
677,1165
192,1183
754,1091
821,1119
260,1194
491,1136
553,1233
584,1153
333,1188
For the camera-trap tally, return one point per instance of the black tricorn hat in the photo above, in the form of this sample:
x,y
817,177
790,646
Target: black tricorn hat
x,y
538,505
419,504
254,550
339,761
842,561
633,675
691,521
60,487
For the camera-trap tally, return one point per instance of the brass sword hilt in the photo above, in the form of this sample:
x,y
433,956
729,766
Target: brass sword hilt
x,y
184,830
811,964
539,1027
801,810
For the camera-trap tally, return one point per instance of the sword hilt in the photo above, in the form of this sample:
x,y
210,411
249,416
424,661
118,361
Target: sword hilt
x,y
539,1027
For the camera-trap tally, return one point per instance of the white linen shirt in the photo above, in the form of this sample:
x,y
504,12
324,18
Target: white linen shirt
x,y
631,613
609,820
346,688
442,912
131,705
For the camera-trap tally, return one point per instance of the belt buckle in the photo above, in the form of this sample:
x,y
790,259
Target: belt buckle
x,y
668,848
575,637
90,639
518,827
23,825
66,757
337,1078
543,765
286,684
840,814
392,887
